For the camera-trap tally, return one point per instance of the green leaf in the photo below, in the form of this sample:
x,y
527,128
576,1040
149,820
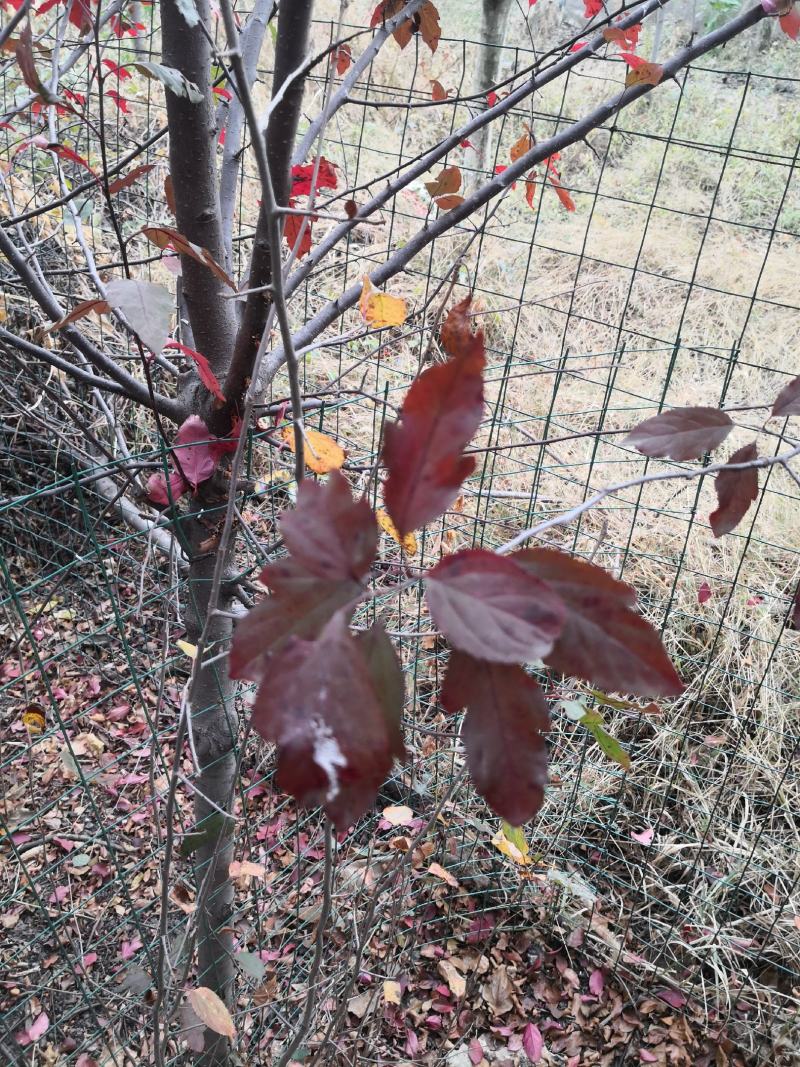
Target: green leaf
x,y
516,835
171,79
609,745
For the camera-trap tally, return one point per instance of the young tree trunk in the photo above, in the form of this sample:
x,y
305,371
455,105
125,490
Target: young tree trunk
x,y
494,19
214,728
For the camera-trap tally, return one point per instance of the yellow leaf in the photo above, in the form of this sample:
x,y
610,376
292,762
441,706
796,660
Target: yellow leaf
x,y
210,1010
64,615
515,847
246,869
33,718
187,649
381,309
439,872
409,542
398,816
321,453
392,992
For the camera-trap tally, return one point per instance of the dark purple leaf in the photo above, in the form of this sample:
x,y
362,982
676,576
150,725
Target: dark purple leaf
x,y
328,533
489,606
320,707
787,401
603,640
385,671
300,606
424,450
682,433
736,490
502,733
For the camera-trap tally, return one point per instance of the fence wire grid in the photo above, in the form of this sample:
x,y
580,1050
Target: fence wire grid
x,y
673,282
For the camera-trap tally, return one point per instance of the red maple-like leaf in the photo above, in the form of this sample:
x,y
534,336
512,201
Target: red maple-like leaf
x,y
327,753
303,175
603,640
488,606
328,533
502,733
424,450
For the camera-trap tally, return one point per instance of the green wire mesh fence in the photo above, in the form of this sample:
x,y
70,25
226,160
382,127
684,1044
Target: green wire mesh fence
x,y
678,880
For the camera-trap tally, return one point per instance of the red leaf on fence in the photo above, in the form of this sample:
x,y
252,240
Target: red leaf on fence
x,y
602,640
130,177
736,490
328,533
530,188
293,226
790,22
592,8
167,237
447,203
121,72
23,50
442,410
119,100
489,606
320,707
682,433
787,401
303,174
438,91
204,371
502,733
342,58
561,193
625,38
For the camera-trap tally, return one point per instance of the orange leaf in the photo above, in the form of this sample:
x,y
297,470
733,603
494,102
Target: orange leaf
x,y
342,58
321,453
246,869
80,311
447,203
381,309
439,872
523,145
530,188
169,193
130,178
210,1010
641,72
562,193
438,91
449,181
164,236
425,22
408,543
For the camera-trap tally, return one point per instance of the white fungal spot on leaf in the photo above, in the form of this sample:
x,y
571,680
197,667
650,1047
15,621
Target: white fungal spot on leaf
x,y
327,756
